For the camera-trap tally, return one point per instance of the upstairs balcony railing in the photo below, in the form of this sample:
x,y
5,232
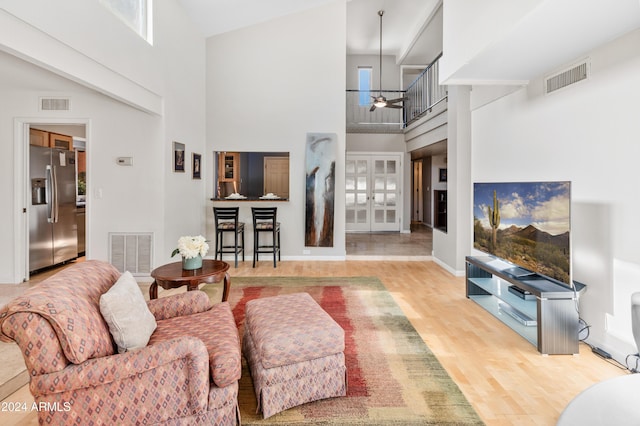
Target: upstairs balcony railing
x,y
422,95
382,120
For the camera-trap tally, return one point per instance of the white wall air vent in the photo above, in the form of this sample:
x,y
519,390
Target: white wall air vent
x,y
131,252
55,104
567,77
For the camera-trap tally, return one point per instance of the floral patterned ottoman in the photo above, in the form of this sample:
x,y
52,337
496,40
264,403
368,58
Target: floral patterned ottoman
x,y
295,352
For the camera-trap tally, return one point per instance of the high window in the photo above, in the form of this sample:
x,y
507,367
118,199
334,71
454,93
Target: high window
x,y
364,85
135,13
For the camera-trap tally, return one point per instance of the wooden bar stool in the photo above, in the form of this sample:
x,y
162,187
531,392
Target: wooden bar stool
x,y
226,220
264,220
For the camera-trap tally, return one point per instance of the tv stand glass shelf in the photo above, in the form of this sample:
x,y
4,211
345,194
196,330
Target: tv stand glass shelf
x,y
539,309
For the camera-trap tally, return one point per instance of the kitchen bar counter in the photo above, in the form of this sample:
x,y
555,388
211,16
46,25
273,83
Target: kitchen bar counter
x,y
254,199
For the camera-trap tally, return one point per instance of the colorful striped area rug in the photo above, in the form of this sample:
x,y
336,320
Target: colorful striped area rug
x,y
392,377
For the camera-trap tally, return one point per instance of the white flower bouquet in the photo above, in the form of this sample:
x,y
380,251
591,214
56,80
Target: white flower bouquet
x,y
190,247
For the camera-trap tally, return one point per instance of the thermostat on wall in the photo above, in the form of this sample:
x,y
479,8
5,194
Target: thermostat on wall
x,y
125,161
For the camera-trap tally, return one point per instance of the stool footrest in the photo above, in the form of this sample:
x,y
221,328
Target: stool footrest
x,y
293,361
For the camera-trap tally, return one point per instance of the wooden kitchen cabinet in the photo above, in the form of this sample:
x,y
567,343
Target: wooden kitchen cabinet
x,y
228,173
229,167
60,141
38,137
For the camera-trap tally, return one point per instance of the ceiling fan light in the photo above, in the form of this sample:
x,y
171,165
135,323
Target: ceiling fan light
x,y
380,101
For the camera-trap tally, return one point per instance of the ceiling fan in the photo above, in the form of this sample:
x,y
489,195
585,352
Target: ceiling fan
x,y
380,101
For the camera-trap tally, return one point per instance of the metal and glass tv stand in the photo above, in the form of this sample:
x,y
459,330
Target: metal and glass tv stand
x,y
543,311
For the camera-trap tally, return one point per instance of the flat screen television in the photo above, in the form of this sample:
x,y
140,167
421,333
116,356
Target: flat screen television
x,y
527,224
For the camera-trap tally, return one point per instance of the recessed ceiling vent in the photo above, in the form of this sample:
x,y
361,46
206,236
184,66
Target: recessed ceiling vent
x,y
567,77
55,104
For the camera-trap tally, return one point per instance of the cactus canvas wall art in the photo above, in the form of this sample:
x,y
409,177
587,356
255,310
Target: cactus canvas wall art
x,y
526,223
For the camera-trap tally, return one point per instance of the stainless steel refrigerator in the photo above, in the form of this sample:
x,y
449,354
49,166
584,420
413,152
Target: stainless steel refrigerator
x,y
52,213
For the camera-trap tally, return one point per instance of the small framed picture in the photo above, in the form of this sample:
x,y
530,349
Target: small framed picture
x,y
443,175
178,157
195,166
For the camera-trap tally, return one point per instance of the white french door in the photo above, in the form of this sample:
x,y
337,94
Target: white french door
x,y
373,192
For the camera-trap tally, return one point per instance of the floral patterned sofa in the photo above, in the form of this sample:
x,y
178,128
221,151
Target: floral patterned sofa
x,y
187,373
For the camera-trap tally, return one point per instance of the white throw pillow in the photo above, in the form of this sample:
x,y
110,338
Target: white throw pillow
x,y
127,314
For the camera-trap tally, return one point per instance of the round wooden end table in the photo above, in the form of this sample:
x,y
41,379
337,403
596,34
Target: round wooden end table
x,y
173,276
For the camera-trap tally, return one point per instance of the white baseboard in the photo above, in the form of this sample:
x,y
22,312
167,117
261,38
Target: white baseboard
x,y
448,268
379,258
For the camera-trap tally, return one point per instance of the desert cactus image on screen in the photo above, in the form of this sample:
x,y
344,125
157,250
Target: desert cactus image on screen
x,y
526,223
494,219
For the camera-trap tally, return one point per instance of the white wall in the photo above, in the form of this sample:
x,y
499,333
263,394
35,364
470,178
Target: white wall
x,y
165,103
450,248
390,72
113,129
470,27
267,87
182,62
67,37
506,42
588,134
376,142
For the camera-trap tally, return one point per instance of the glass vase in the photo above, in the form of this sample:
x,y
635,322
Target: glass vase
x,y
191,264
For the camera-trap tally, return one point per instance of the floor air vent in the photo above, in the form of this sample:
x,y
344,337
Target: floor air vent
x,y
567,77
131,252
55,104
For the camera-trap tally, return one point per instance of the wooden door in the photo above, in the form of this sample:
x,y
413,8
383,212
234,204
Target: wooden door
x,y
276,176
417,199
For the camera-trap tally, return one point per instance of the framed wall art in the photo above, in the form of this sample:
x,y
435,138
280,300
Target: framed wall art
x,y
443,175
178,157
320,188
196,165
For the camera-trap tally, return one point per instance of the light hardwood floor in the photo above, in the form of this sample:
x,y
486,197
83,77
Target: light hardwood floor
x,y
502,375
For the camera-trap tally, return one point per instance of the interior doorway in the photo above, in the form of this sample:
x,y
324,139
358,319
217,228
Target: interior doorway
x,y
417,202
373,192
428,178
70,136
